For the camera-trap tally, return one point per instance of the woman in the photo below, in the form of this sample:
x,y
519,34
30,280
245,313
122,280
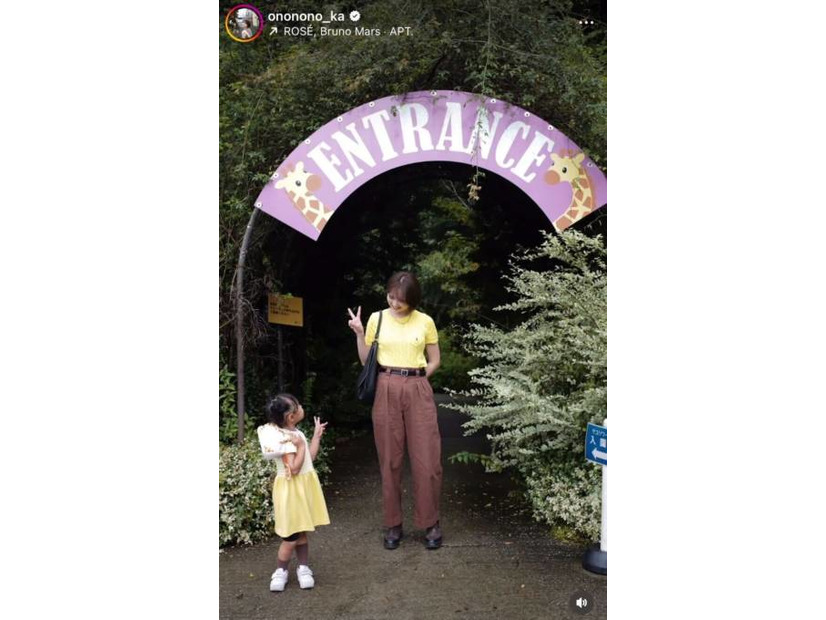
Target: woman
x,y
404,408
244,27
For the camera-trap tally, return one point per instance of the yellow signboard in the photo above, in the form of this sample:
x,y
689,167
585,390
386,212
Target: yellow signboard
x,y
285,310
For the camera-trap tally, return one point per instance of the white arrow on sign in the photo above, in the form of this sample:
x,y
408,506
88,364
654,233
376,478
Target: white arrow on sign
x,y
599,455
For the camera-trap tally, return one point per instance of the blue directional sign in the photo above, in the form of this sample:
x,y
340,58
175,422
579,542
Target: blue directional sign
x,y
596,444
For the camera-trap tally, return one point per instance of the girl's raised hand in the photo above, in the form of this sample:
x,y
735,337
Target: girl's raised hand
x,y
319,427
355,322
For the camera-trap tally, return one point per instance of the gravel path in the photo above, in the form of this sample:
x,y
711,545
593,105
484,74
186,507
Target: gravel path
x,y
496,562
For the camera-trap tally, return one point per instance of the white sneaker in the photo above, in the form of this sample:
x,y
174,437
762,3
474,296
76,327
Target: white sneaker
x,y
279,580
305,577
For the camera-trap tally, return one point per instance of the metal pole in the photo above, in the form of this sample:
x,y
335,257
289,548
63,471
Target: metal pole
x,y
280,359
239,322
603,538
596,559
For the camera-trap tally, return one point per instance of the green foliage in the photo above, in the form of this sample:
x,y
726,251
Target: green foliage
x,y
450,241
227,413
245,512
545,379
456,364
568,496
466,458
330,388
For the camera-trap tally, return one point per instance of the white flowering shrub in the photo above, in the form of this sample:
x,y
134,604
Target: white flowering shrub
x,y
245,493
542,381
567,495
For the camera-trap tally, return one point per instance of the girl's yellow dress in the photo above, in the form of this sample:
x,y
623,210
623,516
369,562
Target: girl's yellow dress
x,y
297,499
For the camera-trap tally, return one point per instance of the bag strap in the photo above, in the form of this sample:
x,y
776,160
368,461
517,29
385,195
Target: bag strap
x,y
378,327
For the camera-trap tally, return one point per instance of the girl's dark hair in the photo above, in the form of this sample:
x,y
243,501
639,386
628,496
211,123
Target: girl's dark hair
x,y
406,288
279,407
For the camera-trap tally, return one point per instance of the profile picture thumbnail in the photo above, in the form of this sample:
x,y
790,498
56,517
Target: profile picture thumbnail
x,y
243,23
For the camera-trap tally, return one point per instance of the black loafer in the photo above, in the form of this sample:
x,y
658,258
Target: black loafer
x,y
393,537
433,539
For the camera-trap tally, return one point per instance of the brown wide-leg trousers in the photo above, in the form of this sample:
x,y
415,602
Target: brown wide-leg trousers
x,y
404,409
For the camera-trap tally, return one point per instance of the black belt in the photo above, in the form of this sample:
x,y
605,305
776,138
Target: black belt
x,y
404,372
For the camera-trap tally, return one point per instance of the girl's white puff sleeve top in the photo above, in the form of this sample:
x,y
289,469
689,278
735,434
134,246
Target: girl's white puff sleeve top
x,y
275,443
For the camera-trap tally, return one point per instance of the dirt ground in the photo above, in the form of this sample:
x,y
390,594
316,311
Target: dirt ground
x,y
496,562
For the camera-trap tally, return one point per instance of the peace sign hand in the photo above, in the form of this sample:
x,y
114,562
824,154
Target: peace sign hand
x,y
319,427
355,322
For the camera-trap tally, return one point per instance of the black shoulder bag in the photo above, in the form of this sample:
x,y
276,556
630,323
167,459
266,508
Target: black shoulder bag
x,y
366,385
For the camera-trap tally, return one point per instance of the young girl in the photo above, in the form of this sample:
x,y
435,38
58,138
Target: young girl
x,y
296,494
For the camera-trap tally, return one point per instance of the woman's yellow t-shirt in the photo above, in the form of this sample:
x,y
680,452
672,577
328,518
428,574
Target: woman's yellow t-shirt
x,y
402,341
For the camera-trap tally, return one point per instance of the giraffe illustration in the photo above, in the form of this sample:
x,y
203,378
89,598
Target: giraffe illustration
x,y
566,167
300,185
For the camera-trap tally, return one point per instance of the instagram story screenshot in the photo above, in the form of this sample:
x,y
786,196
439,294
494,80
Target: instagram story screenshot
x,y
413,325
396,406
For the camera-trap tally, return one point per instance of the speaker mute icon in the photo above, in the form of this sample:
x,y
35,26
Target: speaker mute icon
x,y
581,602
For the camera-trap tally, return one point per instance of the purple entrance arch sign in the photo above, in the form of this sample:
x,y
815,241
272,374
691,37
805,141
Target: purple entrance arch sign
x,y
307,188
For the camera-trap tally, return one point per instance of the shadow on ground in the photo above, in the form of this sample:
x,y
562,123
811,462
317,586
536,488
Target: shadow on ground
x,y
496,562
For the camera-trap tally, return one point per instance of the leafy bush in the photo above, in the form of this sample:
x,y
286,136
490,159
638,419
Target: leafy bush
x,y
245,512
568,495
245,493
227,413
543,381
455,363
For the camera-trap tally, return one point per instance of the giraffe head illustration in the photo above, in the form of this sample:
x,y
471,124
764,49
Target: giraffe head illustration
x,y
300,185
298,181
565,167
